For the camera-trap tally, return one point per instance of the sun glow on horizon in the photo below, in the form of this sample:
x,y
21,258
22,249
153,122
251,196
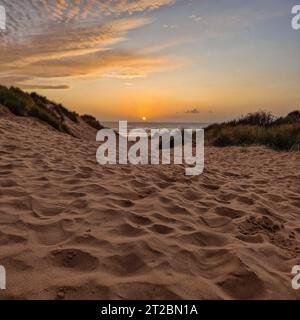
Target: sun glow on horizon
x,y
206,68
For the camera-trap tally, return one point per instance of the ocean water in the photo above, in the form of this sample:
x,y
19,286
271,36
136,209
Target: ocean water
x,y
157,125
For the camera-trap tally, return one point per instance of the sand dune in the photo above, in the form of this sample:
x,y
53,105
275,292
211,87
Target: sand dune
x,y
72,229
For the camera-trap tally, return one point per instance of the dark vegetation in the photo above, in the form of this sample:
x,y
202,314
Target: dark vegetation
x,y
92,121
24,104
260,128
61,111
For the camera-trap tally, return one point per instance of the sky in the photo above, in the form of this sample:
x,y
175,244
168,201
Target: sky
x,y
166,60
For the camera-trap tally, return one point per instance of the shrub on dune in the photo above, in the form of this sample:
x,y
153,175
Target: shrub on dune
x,y
92,121
260,128
59,109
259,118
283,137
22,104
17,101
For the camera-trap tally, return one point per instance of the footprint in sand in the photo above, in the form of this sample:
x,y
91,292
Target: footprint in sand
x,y
161,229
74,259
229,212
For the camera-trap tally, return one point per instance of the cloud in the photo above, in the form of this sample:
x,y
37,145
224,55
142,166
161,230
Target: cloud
x,y
64,38
192,111
195,18
113,63
172,26
71,41
168,45
32,12
44,87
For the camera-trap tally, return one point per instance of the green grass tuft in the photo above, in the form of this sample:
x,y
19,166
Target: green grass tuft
x,y
259,128
23,104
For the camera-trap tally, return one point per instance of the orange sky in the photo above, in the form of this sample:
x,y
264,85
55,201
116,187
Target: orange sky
x,y
171,60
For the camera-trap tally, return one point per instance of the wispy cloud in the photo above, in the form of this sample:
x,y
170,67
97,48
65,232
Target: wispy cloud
x,y
33,12
119,62
195,18
64,38
171,26
192,111
45,87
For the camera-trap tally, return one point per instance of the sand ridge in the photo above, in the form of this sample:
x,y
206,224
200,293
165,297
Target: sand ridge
x,y
72,229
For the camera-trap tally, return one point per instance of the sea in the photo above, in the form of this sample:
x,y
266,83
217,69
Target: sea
x,y
147,126
157,125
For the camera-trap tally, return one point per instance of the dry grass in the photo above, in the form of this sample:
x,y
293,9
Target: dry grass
x,y
279,134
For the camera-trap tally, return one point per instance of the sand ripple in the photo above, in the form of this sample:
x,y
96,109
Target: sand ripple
x,y
71,229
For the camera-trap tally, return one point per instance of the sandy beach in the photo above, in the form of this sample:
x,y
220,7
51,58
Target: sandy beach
x,y
72,229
